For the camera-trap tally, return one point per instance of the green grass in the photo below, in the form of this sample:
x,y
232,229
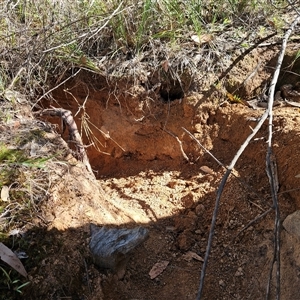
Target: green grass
x,y
12,282
25,174
20,173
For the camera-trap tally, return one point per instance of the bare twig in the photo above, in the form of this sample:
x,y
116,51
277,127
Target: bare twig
x,y
271,166
208,152
294,7
255,220
233,64
235,159
87,275
242,182
252,74
86,35
218,198
15,79
179,142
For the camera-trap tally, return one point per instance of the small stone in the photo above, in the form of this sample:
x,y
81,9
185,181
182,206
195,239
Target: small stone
x,y
171,228
198,128
199,210
222,283
239,272
183,222
292,223
188,200
184,241
192,215
171,184
207,170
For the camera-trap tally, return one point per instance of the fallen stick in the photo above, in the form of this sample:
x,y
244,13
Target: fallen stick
x,y
271,167
267,113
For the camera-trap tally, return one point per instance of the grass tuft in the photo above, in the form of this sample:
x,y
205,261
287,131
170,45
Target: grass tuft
x,y
53,39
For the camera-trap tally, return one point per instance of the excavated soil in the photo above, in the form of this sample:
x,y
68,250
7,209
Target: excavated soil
x,y
151,173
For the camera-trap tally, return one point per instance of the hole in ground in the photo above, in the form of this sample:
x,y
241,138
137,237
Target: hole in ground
x,y
142,170
144,174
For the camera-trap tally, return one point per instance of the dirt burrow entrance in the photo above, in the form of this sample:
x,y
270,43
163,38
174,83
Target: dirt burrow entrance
x,y
153,174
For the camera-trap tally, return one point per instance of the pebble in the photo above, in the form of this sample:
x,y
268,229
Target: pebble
x,y
199,210
239,272
292,223
188,200
222,283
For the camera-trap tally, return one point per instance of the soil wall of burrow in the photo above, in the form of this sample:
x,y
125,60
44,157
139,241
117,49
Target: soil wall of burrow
x,y
127,131
235,123
250,77
127,127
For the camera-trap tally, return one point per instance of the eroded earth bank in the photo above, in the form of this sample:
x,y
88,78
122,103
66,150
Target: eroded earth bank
x,y
150,172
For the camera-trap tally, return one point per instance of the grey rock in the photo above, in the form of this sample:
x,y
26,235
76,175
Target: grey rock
x,y
109,246
292,223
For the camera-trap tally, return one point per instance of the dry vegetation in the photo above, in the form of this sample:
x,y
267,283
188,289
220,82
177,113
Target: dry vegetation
x,y
157,44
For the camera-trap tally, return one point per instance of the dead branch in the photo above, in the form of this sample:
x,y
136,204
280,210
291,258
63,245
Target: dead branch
x,y
15,79
254,221
242,182
213,87
69,122
201,146
271,165
266,114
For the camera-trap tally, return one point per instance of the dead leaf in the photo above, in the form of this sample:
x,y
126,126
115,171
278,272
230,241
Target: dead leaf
x,y
11,259
192,255
12,95
34,147
271,23
5,193
83,60
297,176
207,170
158,268
202,39
165,65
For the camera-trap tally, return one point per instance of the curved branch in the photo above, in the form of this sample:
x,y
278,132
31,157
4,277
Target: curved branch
x,y
266,114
